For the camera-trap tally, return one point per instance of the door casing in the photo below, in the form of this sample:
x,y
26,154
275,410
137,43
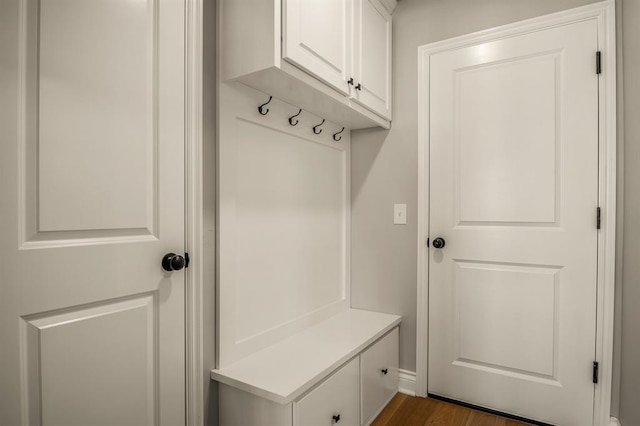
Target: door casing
x,y
604,14
194,204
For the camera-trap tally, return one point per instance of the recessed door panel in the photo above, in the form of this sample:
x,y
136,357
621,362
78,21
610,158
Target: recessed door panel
x,y
506,134
96,70
89,120
91,354
506,316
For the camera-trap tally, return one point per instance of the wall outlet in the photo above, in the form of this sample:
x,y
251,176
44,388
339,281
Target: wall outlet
x,y
399,214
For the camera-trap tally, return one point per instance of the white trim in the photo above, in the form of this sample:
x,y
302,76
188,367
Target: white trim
x,y
607,237
407,384
604,12
389,5
615,422
422,298
193,214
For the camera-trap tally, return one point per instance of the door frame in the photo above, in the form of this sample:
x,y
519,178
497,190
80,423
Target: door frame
x,y
604,12
194,204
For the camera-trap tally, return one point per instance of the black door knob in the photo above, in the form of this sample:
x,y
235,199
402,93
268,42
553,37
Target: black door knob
x,y
438,243
172,262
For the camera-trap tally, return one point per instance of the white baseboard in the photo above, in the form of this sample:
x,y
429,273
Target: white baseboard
x,y
407,382
615,422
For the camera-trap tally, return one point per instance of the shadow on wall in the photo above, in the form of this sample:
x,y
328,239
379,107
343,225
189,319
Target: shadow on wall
x,y
375,138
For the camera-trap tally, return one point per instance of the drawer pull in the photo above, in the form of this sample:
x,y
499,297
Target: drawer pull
x,y
385,371
336,418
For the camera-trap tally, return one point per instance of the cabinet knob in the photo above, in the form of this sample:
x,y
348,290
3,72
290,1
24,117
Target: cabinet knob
x,y
385,371
359,86
336,418
350,81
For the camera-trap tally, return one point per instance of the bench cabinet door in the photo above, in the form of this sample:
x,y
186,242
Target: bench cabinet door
x,y
336,401
379,375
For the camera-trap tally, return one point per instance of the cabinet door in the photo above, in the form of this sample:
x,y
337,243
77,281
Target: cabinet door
x,y
339,396
372,56
317,38
379,375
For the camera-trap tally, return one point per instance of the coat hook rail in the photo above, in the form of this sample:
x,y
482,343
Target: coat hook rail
x,y
291,119
336,136
315,128
262,110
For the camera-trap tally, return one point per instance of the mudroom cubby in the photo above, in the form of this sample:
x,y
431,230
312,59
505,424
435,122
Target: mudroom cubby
x,y
291,350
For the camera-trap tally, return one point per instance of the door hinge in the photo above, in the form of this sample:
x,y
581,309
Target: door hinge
x,y
598,220
595,371
598,62
186,260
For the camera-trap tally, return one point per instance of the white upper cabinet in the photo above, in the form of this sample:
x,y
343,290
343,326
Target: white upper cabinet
x,y
328,57
317,38
372,56
346,44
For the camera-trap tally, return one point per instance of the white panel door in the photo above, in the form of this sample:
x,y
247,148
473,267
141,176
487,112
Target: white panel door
x,y
372,56
317,38
513,192
92,188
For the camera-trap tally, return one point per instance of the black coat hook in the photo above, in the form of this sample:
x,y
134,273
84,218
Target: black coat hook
x,y
261,108
315,128
336,137
291,121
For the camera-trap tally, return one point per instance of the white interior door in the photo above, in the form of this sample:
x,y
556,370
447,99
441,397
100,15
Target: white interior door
x,y
317,37
514,192
92,188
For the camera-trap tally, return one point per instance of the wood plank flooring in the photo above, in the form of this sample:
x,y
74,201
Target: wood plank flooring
x,y
404,410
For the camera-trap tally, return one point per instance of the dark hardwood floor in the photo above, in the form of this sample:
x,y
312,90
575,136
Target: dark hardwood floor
x,y
404,410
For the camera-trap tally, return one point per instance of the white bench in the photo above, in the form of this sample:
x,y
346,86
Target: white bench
x,y
342,370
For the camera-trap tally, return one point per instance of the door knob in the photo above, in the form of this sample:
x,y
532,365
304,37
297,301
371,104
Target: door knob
x,y
172,262
438,243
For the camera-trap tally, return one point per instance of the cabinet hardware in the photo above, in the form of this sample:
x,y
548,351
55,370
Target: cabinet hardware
x,y
350,81
315,128
359,86
291,121
336,418
385,371
262,110
336,137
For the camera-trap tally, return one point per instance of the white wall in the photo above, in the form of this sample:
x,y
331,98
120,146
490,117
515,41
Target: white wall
x,y
384,163
283,222
629,344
